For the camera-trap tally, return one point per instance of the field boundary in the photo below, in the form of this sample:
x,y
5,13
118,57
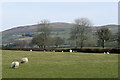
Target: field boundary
x,y
90,50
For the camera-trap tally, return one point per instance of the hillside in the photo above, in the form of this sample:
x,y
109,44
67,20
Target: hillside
x,y
33,28
16,32
58,28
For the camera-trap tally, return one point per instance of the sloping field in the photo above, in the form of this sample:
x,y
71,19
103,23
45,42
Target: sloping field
x,y
60,65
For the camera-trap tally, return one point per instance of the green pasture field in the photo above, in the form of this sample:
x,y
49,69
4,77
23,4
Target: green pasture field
x,y
86,47
60,65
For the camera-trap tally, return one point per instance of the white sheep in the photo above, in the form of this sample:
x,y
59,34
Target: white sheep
x,y
104,53
62,51
108,53
30,50
70,51
53,50
24,60
15,64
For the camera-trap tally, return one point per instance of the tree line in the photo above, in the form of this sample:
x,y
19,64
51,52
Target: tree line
x,y
78,35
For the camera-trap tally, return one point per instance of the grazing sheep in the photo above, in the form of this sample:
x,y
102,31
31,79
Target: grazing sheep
x,y
53,50
30,50
74,51
24,60
15,64
70,51
104,53
62,51
108,53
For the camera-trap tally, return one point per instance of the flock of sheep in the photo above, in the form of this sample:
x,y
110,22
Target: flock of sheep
x,y
25,60
16,63
75,51
106,53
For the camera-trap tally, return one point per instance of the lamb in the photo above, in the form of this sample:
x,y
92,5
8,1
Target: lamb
x,y
15,64
24,60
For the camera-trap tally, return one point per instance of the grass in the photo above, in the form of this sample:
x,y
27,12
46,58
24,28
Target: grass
x,y
89,47
60,65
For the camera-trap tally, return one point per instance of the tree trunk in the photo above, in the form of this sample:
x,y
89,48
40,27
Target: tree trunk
x,y
103,43
43,46
56,46
76,42
81,44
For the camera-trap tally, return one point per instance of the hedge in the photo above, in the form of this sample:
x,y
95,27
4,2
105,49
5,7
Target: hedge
x,y
89,50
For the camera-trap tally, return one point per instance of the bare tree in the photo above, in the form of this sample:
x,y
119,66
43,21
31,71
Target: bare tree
x,y
103,35
39,41
44,27
58,41
79,31
44,30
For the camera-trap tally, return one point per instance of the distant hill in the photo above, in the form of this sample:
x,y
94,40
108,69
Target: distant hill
x,y
33,28
58,28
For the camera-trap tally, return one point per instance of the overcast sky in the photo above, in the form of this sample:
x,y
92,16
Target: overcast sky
x,y
16,14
